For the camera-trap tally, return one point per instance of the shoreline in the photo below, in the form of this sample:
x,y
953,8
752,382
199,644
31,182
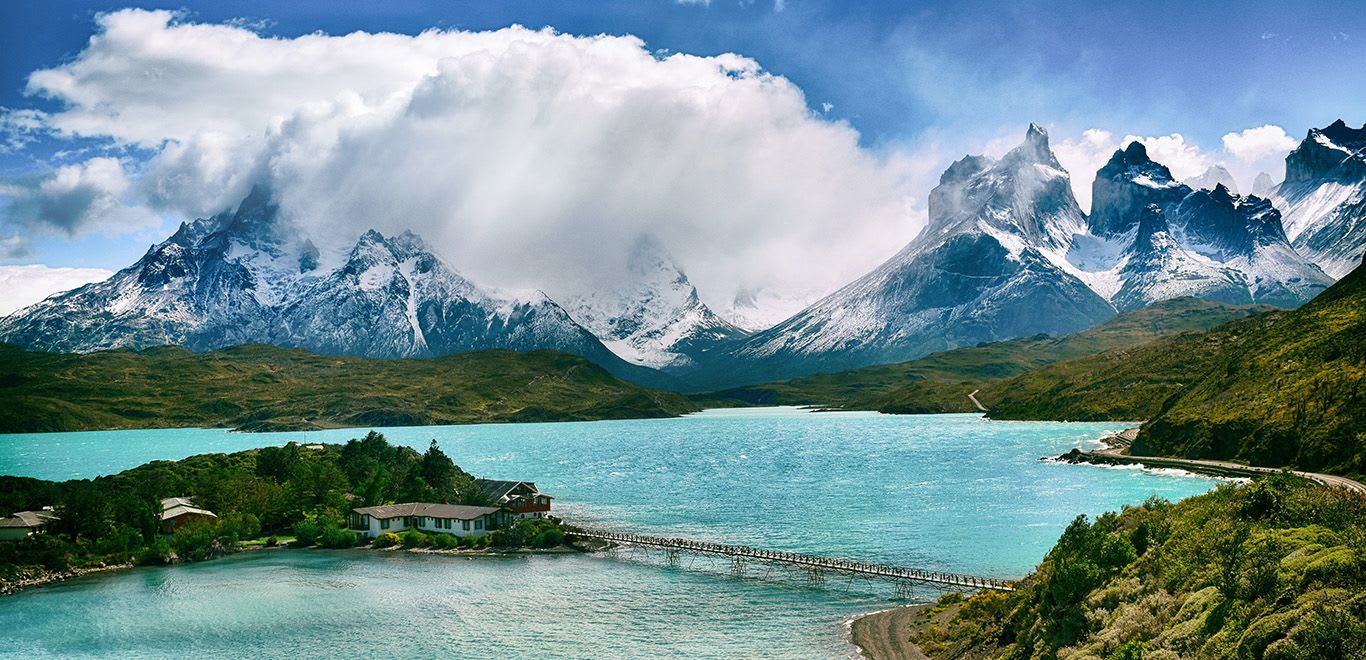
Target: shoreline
x,y
26,584
45,579
885,634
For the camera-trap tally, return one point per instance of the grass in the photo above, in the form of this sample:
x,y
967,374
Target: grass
x,y
1127,384
1288,393
1273,570
941,382
265,388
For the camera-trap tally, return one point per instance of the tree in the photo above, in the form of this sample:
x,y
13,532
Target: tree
x,y
277,463
439,472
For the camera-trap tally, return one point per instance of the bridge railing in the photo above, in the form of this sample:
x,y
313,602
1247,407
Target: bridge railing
x,y
812,561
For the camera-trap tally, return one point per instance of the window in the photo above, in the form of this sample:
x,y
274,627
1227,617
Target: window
x,y
479,523
448,523
384,523
465,524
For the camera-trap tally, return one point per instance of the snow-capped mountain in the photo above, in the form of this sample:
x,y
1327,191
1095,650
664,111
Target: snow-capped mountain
x,y
654,319
242,277
978,272
1154,238
1214,175
1323,198
1008,253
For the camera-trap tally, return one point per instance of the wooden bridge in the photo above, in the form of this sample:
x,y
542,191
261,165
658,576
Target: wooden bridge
x,y
816,566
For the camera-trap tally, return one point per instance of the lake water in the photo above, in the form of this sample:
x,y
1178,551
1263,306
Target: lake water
x,y
944,492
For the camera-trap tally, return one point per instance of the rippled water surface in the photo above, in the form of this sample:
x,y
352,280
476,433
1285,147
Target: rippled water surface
x,y
945,492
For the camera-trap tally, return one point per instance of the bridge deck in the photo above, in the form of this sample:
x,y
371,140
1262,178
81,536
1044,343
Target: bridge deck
x,y
806,561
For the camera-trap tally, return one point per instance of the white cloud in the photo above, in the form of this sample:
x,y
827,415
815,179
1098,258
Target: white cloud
x,y
1185,159
1082,157
529,158
1254,144
75,199
26,285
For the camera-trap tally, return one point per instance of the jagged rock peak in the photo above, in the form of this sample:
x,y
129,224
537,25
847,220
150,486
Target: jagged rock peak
x,y
965,168
1034,149
1130,181
1214,175
1336,151
1263,185
1340,133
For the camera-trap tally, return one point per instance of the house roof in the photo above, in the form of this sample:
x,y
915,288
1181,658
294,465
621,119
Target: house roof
x,y
181,509
500,491
456,511
176,501
28,519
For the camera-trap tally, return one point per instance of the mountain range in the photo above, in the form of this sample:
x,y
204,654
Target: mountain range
x,y
1007,252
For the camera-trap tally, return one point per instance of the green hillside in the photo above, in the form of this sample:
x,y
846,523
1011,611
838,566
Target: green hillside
x,y
1291,393
265,388
1271,570
942,381
1125,384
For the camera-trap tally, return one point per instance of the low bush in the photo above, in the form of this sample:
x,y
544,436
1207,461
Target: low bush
x,y
387,540
444,541
415,539
529,533
334,536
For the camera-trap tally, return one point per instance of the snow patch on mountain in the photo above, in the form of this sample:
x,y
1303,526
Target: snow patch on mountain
x,y
655,319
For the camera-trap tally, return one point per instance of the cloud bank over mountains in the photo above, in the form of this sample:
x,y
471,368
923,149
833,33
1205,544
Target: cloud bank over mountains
x,y
525,156
528,158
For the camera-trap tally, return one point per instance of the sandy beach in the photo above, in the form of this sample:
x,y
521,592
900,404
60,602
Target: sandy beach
x,y
885,635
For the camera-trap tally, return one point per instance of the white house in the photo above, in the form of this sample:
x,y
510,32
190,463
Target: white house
x,y
455,519
23,523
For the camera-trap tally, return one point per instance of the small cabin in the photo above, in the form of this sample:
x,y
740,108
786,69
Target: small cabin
x,y
522,498
23,523
176,512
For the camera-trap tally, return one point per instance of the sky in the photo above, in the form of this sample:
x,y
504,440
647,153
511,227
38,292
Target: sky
x,y
783,146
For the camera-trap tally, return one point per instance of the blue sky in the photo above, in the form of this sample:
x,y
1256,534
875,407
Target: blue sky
x,y
930,80
1200,68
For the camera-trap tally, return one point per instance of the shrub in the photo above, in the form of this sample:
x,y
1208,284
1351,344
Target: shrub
x,y
444,541
199,540
415,539
387,540
307,531
238,525
333,536
272,542
157,553
530,533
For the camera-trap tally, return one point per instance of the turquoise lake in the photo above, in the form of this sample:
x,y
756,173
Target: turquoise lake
x,y
944,492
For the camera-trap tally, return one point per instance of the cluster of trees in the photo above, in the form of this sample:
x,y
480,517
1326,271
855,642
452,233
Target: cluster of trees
x,y
1274,569
294,490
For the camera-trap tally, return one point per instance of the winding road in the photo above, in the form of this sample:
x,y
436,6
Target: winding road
x,y
1114,454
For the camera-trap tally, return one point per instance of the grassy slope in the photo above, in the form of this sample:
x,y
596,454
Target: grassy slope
x,y
1290,393
942,381
1124,384
1273,570
268,388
